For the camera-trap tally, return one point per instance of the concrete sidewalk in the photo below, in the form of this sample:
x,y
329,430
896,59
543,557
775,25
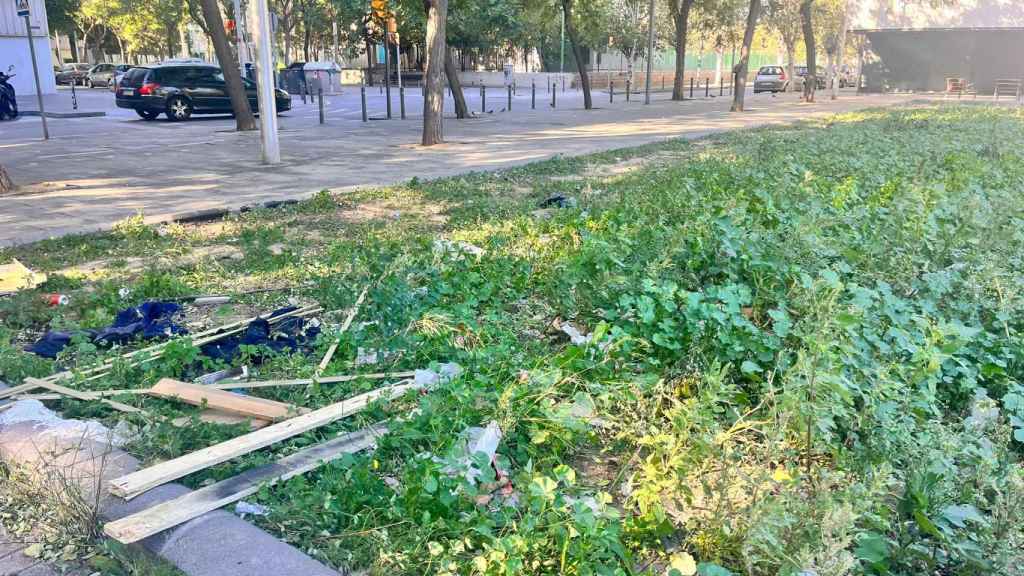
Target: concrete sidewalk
x,y
97,171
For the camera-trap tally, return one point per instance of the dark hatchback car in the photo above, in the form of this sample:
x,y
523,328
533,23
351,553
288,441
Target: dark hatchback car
x,y
180,90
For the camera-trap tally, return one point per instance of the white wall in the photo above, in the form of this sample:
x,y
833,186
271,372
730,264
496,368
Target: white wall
x,y
14,47
15,51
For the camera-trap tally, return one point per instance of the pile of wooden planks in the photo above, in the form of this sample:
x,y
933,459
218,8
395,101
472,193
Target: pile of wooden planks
x,y
169,514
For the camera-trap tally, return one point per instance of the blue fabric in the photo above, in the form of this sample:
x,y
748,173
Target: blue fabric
x,y
147,321
289,335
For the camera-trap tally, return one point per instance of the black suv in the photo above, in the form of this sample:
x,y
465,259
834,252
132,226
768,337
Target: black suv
x,y
180,89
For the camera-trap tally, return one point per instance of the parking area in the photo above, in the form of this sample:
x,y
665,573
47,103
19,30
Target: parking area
x,y
94,172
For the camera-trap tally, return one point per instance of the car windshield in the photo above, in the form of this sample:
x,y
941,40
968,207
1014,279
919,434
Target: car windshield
x,y
770,70
81,67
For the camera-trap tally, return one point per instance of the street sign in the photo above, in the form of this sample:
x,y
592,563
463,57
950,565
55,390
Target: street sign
x,y
22,5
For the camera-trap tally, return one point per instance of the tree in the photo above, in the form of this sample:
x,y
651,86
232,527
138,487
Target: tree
x,y
783,16
811,80
680,10
244,119
450,72
740,70
577,50
60,14
433,101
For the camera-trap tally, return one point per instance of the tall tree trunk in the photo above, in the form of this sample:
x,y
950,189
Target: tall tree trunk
x,y
244,119
369,62
840,48
73,41
718,65
577,52
170,40
811,81
681,17
287,31
433,100
740,70
461,110
791,65
306,40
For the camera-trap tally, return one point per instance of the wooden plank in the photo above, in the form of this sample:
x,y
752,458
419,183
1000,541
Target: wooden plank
x,y
218,417
307,381
344,328
79,395
224,401
188,506
131,485
92,394
28,386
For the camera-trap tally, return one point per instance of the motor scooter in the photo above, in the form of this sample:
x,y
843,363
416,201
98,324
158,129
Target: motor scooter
x,y
8,101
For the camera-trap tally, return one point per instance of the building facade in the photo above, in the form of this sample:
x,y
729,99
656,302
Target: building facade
x,y
14,48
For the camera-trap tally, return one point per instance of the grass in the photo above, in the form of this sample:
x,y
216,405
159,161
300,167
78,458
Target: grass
x,y
804,353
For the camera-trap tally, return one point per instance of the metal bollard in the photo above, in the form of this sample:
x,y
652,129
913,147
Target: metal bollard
x,y
483,99
401,100
629,88
662,82
554,91
691,87
721,87
509,97
707,87
362,94
533,95
320,100
74,96
611,91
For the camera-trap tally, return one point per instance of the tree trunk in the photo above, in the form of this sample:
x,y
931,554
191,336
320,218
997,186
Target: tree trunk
x,y
461,110
740,71
306,40
171,33
433,100
5,182
577,52
74,45
369,63
841,48
287,32
791,65
681,16
232,77
811,81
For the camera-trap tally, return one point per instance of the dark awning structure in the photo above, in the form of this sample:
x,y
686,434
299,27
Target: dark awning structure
x,y
921,59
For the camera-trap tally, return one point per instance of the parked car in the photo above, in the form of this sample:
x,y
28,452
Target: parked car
x,y
774,79
820,79
103,74
118,75
74,73
846,76
181,89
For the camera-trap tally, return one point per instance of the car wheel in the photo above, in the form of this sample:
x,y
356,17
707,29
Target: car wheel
x,y
89,83
179,109
147,114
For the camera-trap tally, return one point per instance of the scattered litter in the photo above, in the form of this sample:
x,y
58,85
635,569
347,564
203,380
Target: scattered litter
x,y
575,336
211,300
558,201
431,379
477,440
276,249
54,300
457,249
54,426
370,356
124,293
242,508
148,320
392,482
16,276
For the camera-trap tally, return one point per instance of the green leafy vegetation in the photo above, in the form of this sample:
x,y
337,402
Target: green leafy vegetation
x,y
800,352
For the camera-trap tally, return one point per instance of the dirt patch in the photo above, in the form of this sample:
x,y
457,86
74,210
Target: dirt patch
x,y
135,264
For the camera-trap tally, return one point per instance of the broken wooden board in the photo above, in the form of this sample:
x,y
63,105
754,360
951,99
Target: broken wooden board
x,y
188,506
16,276
79,395
131,485
218,417
307,381
224,401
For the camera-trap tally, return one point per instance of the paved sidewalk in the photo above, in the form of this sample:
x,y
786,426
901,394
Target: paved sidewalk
x,y
97,171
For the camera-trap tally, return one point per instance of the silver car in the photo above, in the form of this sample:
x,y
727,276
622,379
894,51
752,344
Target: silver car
x,y
102,75
774,79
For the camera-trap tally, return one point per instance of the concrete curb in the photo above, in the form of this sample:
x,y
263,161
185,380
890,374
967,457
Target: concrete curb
x,y
62,114
217,543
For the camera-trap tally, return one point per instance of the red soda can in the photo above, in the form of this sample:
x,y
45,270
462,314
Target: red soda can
x,y
56,299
